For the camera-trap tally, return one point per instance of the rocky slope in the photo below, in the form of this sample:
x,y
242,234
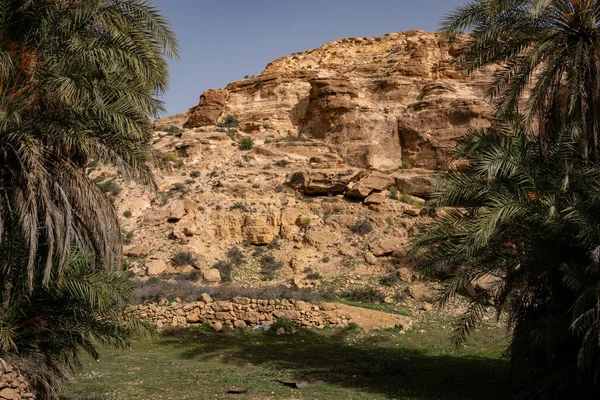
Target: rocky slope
x,y
311,174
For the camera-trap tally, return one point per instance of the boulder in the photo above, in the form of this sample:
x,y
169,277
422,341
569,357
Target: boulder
x,y
156,267
376,181
376,198
176,211
205,298
385,246
415,182
212,275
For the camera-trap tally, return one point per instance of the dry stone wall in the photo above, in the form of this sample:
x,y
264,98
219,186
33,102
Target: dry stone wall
x,y
13,385
241,312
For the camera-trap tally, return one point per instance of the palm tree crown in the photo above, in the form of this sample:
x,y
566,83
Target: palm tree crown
x,y
78,81
549,53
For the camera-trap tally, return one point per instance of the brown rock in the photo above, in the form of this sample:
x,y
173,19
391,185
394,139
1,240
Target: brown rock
x,y
406,275
141,250
377,181
205,298
8,394
217,325
209,110
370,258
385,246
415,182
417,292
176,211
376,198
239,324
212,275
156,267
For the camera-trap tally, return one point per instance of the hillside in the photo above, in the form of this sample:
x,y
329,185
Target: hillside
x,y
311,174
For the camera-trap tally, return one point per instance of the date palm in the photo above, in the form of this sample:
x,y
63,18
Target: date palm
x,y
78,81
549,57
530,228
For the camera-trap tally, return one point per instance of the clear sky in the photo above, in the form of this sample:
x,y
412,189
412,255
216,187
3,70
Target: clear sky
x,y
223,40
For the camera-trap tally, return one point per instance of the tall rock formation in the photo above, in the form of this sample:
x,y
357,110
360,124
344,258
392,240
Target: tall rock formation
x,y
377,102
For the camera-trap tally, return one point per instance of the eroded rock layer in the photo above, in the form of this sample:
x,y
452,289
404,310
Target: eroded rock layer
x,y
377,102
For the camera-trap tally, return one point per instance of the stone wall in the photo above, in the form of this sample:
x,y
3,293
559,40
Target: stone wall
x,y
13,385
241,312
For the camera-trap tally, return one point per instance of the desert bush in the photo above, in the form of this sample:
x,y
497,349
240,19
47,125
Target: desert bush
x,y
246,144
225,269
183,258
228,122
195,174
391,279
393,192
128,237
127,214
236,256
282,163
282,323
297,179
362,227
269,266
364,295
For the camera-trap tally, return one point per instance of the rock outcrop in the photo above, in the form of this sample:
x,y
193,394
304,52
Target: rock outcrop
x,y
377,102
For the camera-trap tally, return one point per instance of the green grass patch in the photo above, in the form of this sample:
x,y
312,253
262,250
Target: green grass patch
x,y
338,364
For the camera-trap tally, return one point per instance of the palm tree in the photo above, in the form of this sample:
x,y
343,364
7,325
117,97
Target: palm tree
x,y
530,229
549,57
78,81
43,332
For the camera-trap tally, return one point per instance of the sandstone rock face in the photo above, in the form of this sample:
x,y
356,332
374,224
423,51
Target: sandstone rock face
x,y
376,101
209,110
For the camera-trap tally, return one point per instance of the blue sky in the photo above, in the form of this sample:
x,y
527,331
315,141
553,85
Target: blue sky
x,y
223,40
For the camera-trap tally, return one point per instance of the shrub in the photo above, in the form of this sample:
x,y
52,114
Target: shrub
x,y
364,295
231,134
195,174
179,187
391,279
259,85
111,187
269,265
168,157
362,227
173,130
325,260
246,144
183,258
352,327
285,323
314,276
128,237
297,179
236,256
127,214
228,122
393,192
268,127
305,222
240,206
406,164
282,163
274,244
225,269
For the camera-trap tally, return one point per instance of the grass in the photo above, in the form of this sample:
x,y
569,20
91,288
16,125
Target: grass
x,y
338,364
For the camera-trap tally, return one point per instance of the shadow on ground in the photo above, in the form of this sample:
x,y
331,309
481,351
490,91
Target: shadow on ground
x,y
380,364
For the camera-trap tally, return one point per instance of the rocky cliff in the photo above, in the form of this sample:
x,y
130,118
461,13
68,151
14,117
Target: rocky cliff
x,y
377,102
312,174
